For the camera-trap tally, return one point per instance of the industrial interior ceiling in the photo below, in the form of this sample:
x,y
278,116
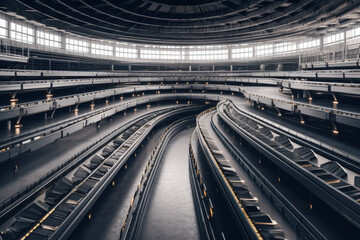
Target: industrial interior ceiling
x,y
190,22
182,119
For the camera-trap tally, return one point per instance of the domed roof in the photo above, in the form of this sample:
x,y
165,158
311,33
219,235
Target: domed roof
x,y
188,22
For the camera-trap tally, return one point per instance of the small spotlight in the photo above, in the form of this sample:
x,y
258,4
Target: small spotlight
x,y
302,122
279,114
335,131
18,126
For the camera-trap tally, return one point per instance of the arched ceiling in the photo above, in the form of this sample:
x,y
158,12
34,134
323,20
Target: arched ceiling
x,y
188,22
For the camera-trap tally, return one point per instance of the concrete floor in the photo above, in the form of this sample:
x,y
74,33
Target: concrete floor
x,y
170,213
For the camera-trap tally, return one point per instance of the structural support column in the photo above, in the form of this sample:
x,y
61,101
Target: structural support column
x,y
8,125
262,67
344,53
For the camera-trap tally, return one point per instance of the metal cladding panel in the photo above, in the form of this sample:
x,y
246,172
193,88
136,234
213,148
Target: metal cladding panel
x,y
28,73
284,105
142,88
352,75
307,75
128,90
319,65
266,101
354,122
34,145
309,86
13,152
253,80
102,81
127,80
103,94
10,87
8,114
66,102
254,98
7,73
330,75
348,90
322,114
286,84
132,104
109,113
281,74
343,64
246,95
86,98
39,108
36,85
229,80
234,88
243,80
67,83
73,128
4,156
70,74
166,87
119,91
142,101
114,80
93,119
120,108
267,81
